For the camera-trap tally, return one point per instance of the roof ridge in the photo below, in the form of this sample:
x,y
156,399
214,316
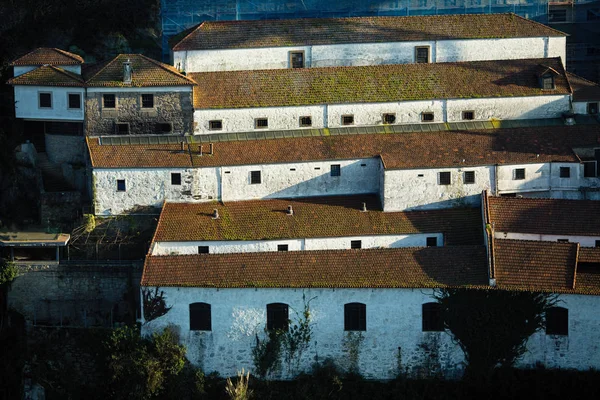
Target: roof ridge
x,y
106,64
69,54
582,78
188,35
538,23
65,72
167,68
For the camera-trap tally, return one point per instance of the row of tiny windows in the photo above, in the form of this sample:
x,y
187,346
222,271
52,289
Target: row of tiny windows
x,y
348,119
109,100
355,318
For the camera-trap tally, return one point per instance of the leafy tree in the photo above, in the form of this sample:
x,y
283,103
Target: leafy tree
x,y
8,272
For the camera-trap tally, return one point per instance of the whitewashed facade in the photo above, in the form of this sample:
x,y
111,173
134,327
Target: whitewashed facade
x,y
27,103
22,69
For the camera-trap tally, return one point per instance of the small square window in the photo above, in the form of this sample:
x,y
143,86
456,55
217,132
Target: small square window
x,y
389,118
444,178
422,54
427,117
565,172
468,115
215,125
282,247
347,119
164,127
297,59
175,178
147,100
203,250
109,101
432,241
122,128
255,177
305,121
589,169
548,82
74,100
592,108
121,185
261,123
45,100
469,177
336,170
519,174
356,244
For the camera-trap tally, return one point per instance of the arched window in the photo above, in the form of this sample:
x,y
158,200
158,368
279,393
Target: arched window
x,y
200,318
355,317
432,317
277,316
557,321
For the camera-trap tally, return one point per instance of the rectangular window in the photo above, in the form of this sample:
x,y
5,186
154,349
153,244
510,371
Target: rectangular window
x,y
121,185
175,178
109,101
277,316
215,125
389,118
297,59
519,174
432,317
147,100
122,128
203,250
45,100
444,178
305,121
597,243
432,241
255,177
164,127
336,170
200,317
74,100
468,115
565,172
547,82
261,123
356,244
589,169
469,177
422,54
557,321
592,108
427,117
355,317
347,119
282,247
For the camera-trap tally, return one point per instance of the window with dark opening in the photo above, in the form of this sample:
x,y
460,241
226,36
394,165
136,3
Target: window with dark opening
x,y
164,127
200,317
45,100
297,59
282,247
347,119
203,250
592,108
565,172
444,178
356,244
74,100
175,178
336,170
355,317
122,128
422,54
147,100
389,118
255,177
306,121
469,177
432,317
597,243
215,125
109,101
261,123
519,174
121,185
557,321
468,115
547,82
277,316
432,241
427,117
589,169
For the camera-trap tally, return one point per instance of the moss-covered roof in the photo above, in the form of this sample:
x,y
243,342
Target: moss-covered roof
x,y
48,56
374,84
48,75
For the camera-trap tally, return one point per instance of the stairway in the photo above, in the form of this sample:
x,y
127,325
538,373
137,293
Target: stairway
x,y
52,175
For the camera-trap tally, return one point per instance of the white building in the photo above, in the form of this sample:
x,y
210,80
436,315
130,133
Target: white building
x,y
332,42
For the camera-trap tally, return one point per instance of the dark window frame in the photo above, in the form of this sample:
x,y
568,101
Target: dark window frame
x,y
519,174
356,244
282,247
355,317
147,100
261,123
215,125
422,58
160,127
121,185
255,177
203,249
592,107
119,125
557,321
427,117
431,316
113,101
348,119
469,177
589,169
565,172
468,115
70,102
445,178
305,121
335,170
431,241
278,317
200,316
548,82
176,178
46,99
389,118
294,62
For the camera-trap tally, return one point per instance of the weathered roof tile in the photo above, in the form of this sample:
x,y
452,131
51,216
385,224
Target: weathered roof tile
x,y
48,56
48,75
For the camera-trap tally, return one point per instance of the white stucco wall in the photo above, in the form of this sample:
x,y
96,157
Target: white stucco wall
x,y
357,54
27,103
323,243
581,107
20,70
393,341
557,47
496,49
151,89
531,107
412,189
584,241
539,177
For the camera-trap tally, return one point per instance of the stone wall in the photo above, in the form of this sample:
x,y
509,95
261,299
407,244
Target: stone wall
x,y
60,207
65,149
169,107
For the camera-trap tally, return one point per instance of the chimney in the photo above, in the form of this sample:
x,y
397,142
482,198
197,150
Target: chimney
x,y
210,149
127,72
364,207
215,214
200,150
290,210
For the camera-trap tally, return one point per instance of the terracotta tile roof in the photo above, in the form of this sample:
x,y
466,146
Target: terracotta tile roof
x,y
318,31
588,270
545,216
583,90
146,72
49,56
376,268
406,150
535,265
48,75
332,216
379,83
589,254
